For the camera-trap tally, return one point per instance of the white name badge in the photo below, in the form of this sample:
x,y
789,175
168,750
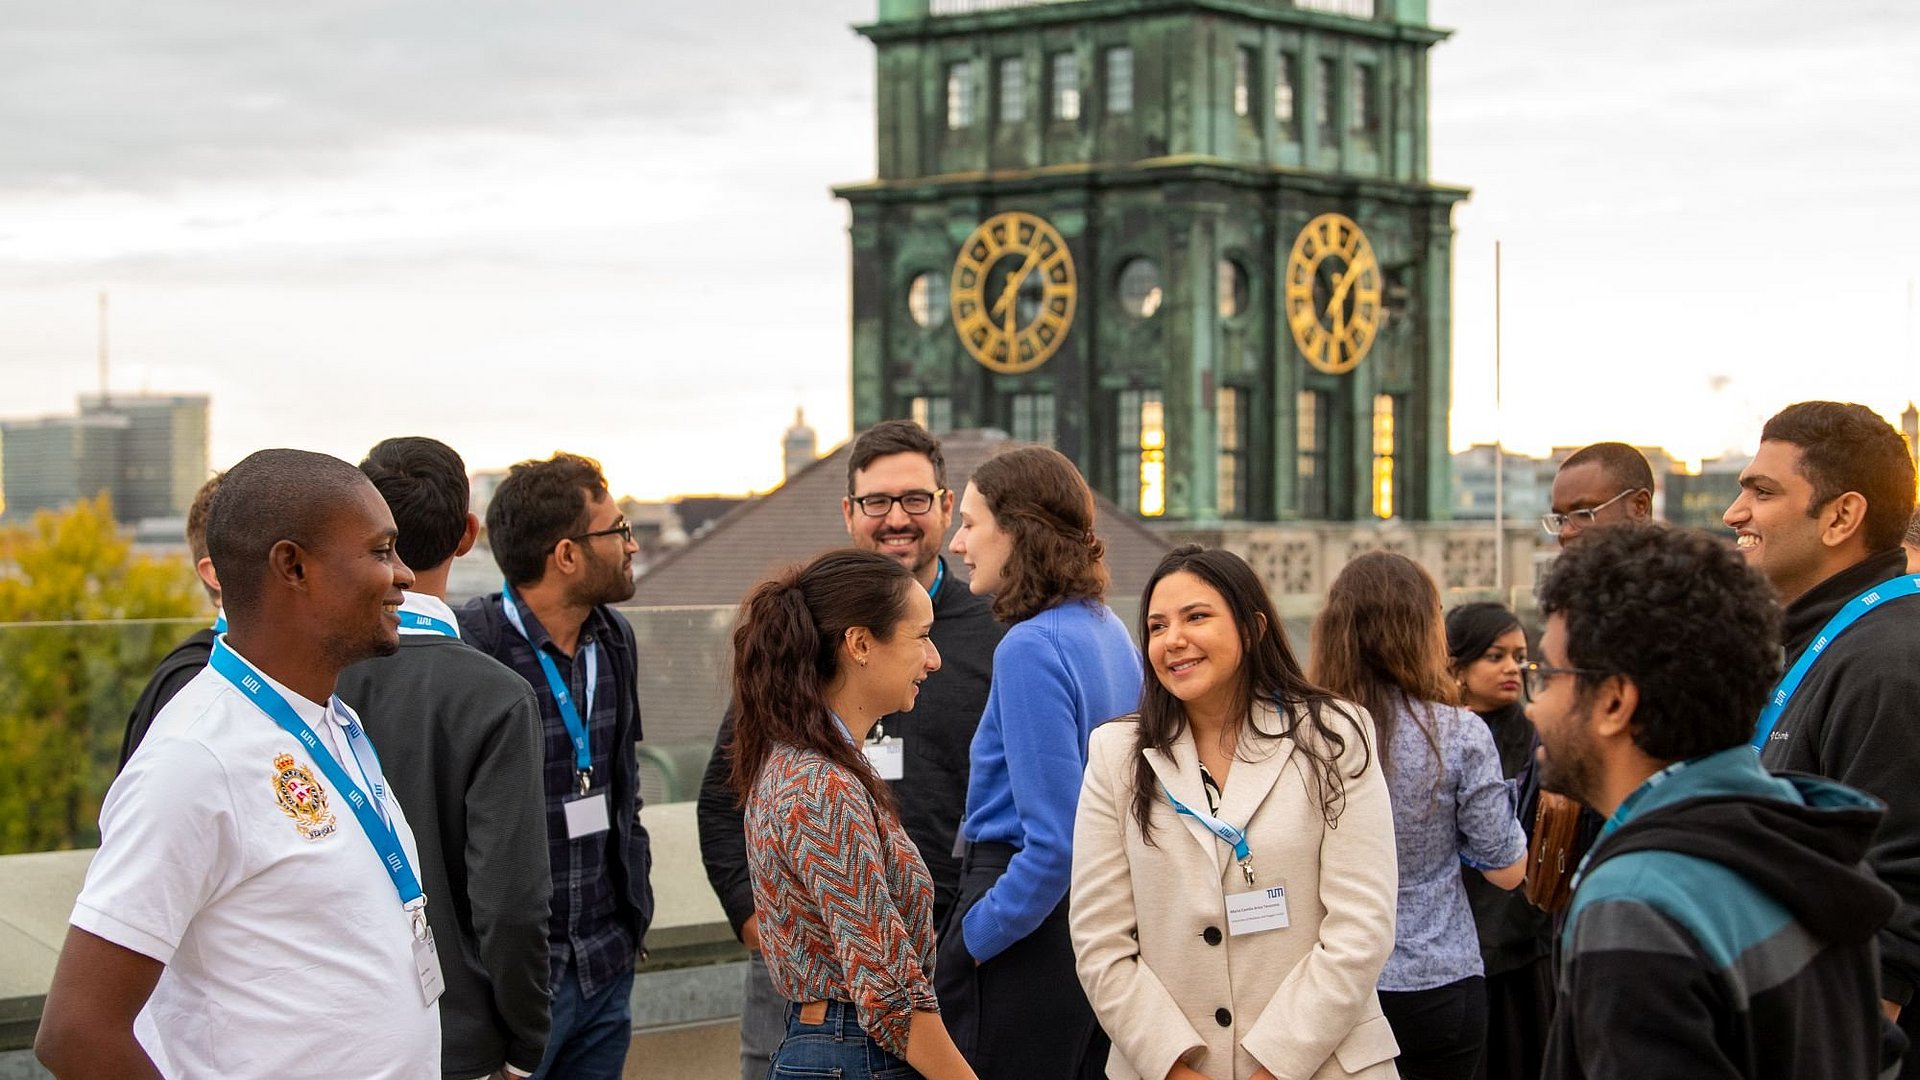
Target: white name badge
x,y
1260,909
426,964
586,815
888,757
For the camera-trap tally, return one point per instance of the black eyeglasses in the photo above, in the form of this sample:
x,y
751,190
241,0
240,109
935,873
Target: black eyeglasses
x,y
914,503
1580,519
1534,676
624,530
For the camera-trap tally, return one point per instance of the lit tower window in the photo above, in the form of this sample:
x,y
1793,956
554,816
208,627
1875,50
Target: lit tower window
x,y
1153,458
1383,455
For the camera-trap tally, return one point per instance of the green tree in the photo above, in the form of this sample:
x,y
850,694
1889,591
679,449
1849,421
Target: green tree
x,y
83,621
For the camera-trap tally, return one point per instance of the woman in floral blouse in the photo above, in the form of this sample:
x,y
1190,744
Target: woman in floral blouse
x,y
844,902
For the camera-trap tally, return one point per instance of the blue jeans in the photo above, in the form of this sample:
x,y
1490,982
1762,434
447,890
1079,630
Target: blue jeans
x,y
835,1048
590,1035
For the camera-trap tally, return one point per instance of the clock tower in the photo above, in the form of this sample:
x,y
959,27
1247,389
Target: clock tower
x,y
1190,243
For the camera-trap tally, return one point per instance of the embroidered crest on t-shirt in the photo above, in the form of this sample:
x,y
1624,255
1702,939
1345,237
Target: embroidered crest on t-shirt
x,y
302,798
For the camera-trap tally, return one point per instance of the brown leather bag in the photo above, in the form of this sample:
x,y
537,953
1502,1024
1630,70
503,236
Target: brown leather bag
x,y
1551,855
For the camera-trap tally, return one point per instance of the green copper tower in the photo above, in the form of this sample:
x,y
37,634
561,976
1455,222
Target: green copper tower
x,y
1190,243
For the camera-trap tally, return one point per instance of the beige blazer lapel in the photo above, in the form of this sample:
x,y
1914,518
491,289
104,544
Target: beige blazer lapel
x,y
1257,766
1178,769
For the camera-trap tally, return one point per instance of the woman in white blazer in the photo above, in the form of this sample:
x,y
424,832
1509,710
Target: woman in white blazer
x,y
1233,857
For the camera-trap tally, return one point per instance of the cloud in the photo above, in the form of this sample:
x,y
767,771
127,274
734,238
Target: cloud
x,y
122,96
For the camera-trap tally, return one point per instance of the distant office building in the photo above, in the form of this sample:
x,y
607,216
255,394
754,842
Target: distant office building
x,y
800,447
480,488
1701,499
149,451
1528,483
51,462
163,456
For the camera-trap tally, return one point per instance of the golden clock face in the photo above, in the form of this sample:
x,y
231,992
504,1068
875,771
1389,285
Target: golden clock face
x,y
1333,293
1013,292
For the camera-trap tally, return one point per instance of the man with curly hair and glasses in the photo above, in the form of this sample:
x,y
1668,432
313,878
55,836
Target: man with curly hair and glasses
x,y
1723,925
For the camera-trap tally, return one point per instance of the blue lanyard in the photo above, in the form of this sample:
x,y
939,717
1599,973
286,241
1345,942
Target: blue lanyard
x,y
1855,608
1233,836
413,620
373,822
562,697
939,578
1621,812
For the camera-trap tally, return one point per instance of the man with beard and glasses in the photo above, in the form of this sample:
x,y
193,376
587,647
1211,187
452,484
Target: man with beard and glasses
x,y
255,907
897,504
1724,923
567,554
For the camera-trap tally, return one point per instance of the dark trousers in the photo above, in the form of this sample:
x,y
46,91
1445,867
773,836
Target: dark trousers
x,y
1519,1011
1022,1014
1441,1031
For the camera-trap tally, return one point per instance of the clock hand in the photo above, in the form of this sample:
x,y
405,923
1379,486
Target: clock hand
x,y
1344,284
1013,281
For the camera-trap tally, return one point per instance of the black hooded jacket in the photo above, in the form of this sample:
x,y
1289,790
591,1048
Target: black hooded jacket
x,y
1856,719
1726,929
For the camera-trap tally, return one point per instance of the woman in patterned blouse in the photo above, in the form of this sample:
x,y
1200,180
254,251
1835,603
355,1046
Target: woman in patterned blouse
x,y
844,902
1380,641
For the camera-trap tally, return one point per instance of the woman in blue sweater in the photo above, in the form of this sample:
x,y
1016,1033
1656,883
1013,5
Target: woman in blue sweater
x,y
1005,974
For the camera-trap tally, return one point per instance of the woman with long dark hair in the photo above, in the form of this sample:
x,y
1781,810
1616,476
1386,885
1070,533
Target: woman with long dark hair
x,y
1066,665
1233,869
1487,648
1379,641
844,902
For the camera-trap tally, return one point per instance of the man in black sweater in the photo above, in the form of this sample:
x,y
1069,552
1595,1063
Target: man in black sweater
x,y
1821,513
897,504
459,736
178,667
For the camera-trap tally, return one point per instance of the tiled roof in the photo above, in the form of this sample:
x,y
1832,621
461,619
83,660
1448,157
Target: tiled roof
x,y
801,518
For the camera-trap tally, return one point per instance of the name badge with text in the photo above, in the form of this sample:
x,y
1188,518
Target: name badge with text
x,y
1257,910
888,757
426,964
586,815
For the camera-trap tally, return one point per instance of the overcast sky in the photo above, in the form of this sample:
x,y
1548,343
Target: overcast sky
x,y
605,226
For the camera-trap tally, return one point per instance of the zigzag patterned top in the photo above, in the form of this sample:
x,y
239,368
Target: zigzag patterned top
x,y
845,904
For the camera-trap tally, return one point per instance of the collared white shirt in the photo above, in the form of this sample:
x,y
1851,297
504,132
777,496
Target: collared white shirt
x,y
419,603
228,856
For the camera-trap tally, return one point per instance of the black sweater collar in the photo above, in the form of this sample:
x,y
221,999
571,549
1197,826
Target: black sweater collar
x,y
1812,610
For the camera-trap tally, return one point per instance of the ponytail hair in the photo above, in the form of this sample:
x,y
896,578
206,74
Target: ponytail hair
x,y
786,650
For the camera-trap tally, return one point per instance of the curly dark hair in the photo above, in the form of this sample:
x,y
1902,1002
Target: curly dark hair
x,y
539,504
1681,614
1846,447
1043,502
1268,672
425,485
895,437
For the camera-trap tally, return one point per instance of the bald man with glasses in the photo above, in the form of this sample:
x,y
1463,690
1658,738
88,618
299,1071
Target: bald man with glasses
x,y
1599,485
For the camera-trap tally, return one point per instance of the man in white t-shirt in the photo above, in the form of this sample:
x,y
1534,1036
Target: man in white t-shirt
x,y
253,909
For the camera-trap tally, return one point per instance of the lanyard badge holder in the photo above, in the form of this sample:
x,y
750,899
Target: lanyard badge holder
x,y
587,811
372,816
887,755
1256,909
